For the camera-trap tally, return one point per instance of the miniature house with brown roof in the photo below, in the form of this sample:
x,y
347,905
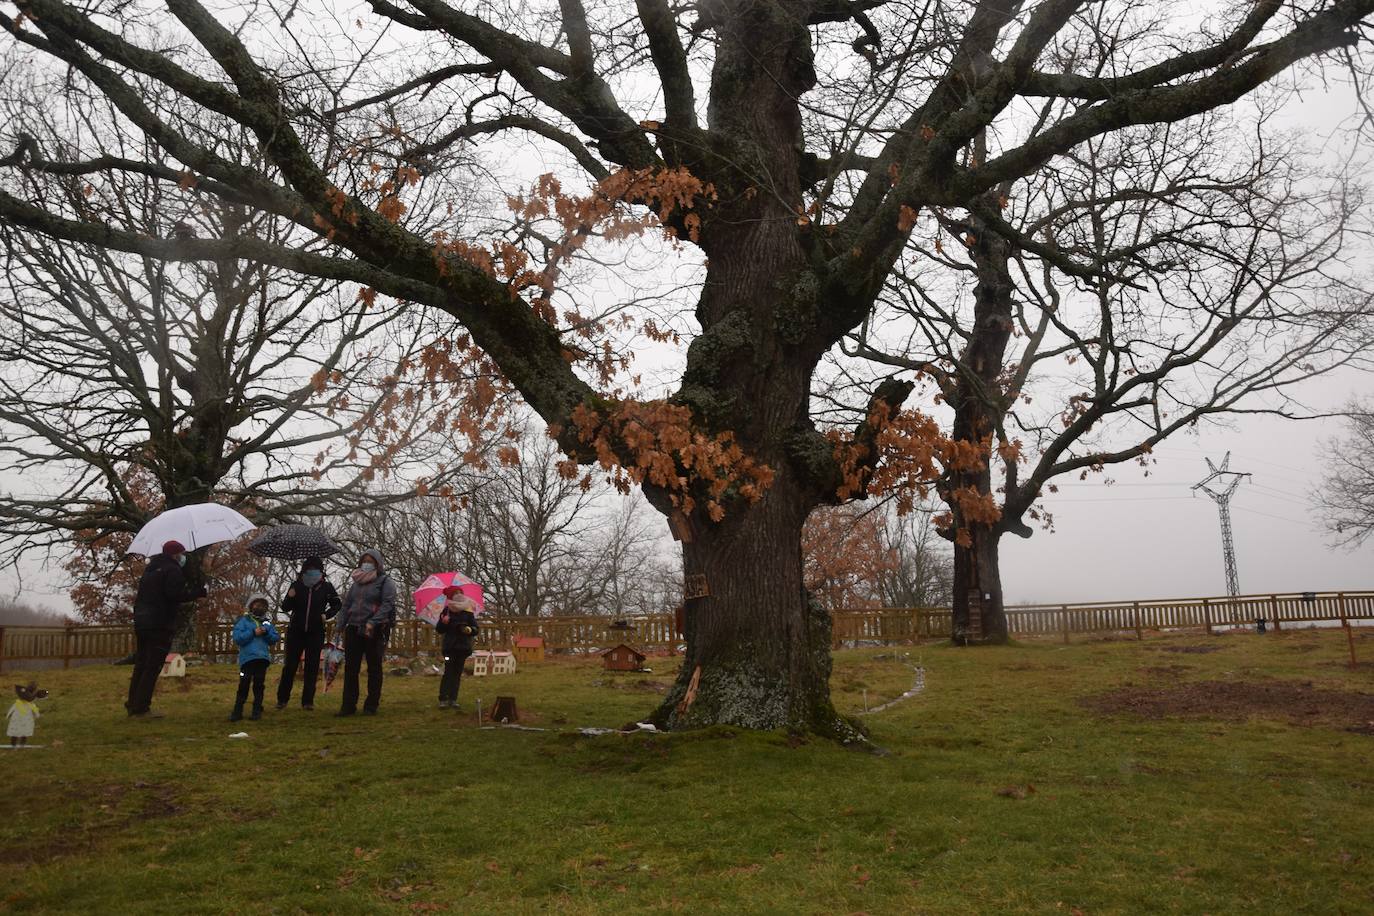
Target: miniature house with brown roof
x,y
622,658
528,649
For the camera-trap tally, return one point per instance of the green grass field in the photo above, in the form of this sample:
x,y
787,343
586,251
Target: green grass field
x,y
1036,778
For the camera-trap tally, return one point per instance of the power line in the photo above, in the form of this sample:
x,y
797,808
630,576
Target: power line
x,y
1114,499
1267,515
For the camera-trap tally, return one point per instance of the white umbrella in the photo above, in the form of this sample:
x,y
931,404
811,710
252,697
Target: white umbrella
x,y
194,526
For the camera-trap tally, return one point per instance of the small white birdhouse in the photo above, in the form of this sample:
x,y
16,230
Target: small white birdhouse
x,y
174,666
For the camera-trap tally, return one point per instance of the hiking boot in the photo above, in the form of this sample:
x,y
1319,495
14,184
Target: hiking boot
x,y
237,714
444,704
308,707
369,712
280,707
147,714
256,714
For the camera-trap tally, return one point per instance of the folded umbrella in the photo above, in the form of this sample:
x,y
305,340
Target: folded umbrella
x,y
194,526
332,656
429,597
293,542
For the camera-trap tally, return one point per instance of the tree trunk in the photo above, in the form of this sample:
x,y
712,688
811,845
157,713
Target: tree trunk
x,y
979,616
758,651
980,403
758,646
186,638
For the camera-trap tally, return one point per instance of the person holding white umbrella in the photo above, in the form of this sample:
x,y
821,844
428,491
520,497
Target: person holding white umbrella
x,y
161,590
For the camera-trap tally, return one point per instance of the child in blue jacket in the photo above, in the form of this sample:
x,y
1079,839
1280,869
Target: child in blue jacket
x,y
255,636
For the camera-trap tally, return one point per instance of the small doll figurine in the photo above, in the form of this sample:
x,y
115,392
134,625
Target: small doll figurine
x,y
23,713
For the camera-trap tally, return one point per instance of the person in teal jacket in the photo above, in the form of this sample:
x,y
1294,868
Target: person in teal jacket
x,y
255,636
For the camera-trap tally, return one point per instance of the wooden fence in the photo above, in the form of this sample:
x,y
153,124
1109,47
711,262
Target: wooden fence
x,y
50,645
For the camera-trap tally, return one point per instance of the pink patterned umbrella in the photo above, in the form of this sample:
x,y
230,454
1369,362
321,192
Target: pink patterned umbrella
x,y
429,597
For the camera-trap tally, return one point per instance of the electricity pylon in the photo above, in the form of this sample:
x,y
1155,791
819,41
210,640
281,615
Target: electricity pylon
x,y
1225,485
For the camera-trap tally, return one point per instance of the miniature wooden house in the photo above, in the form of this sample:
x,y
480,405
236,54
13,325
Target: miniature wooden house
x,y
622,658
174,665
485,663
529,649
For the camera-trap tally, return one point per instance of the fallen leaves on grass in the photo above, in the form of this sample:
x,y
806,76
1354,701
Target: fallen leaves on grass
x,y
1017,792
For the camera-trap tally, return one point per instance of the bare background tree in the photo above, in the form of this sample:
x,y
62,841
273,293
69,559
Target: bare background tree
x,y
539,542
17,614
1184,280
130,385
1345,498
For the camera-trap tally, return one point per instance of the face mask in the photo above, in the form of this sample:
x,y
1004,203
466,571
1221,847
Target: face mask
x,y
181,559
368,567
312,577
258,611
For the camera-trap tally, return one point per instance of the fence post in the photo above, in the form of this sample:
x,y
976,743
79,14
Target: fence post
x,y
1135,618
1349,631
2,648
1064,622
1274,606
67,647
1207,614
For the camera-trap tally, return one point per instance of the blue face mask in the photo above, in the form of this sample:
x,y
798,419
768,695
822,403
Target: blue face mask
x,y
368,567
312,577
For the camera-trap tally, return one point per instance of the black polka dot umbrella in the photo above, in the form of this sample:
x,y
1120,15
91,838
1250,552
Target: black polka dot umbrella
x,y
293,542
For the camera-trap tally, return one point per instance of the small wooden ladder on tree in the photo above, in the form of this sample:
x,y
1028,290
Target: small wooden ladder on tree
x,y
975,615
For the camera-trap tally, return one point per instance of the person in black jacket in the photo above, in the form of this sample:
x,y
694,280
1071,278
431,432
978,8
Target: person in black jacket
x,y
459,627
161,590
310,601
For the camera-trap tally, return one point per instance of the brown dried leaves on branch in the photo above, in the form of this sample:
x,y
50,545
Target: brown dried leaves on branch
x,y
654,442
903,454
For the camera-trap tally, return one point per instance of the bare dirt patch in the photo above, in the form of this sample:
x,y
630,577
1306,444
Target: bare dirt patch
x,y
1189,650
1296,702
1167,670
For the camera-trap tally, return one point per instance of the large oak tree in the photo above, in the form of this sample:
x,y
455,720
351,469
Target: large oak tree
x,y
794,142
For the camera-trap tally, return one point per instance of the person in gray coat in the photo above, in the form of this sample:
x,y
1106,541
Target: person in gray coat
x,y
369,610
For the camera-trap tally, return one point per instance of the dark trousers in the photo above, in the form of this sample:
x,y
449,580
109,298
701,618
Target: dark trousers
x,y
150,653
254,673
356,648
299,641
453,676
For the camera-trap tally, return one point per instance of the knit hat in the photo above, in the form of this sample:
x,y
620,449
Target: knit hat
x,y
452,590
259,596
172,548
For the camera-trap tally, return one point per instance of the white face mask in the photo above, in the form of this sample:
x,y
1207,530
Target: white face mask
x,y
181,559
368,567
